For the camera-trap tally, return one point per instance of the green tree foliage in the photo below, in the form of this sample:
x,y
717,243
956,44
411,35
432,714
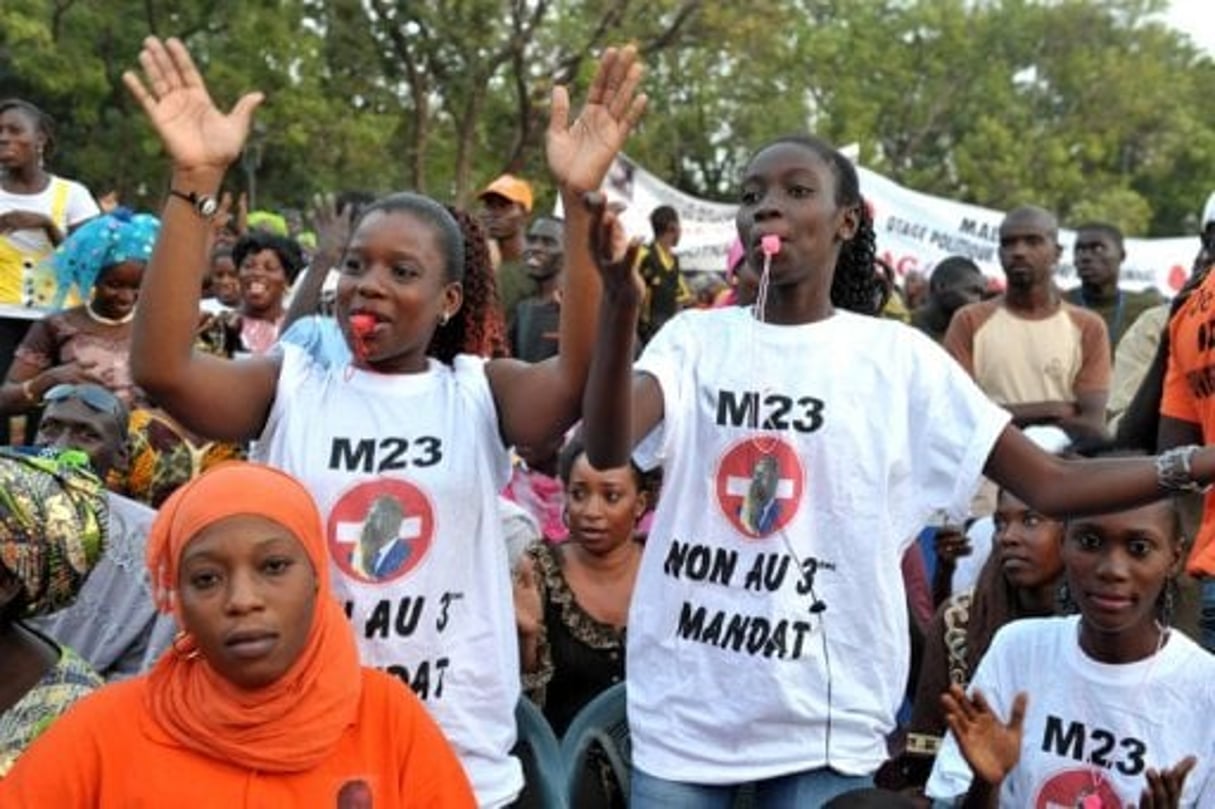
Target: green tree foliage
x,y
1093,109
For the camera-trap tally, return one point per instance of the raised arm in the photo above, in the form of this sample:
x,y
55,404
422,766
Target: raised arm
x,y
333,231
536,402
214,397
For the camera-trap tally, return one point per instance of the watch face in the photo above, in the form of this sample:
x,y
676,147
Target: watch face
x,y
207,206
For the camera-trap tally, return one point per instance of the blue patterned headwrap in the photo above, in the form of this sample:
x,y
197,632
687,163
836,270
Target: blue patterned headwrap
x,y
100,243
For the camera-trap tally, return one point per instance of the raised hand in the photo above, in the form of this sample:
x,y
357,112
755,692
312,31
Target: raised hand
x,y
332,228
580,153
991,747
1164,786
614,254
194,132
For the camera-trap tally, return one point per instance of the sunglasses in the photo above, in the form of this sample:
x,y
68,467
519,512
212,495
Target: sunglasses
x,y
97,398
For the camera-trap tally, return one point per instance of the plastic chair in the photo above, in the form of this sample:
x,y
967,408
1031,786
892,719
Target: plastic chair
x,y
602,723
543,766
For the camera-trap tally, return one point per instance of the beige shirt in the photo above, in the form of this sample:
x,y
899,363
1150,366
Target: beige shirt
x,y
1017,360
1134,356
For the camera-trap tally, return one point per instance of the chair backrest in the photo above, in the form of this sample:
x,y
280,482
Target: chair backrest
x,y
602,725
543,765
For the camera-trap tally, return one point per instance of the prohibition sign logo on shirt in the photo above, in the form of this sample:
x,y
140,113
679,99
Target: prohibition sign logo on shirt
x,y
759,485
380,530
1083,788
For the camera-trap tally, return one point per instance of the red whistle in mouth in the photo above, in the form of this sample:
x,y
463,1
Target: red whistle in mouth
x,y
770,244
362,324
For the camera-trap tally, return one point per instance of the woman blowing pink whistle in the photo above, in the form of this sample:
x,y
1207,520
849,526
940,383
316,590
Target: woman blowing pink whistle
x,y
405,448
803,442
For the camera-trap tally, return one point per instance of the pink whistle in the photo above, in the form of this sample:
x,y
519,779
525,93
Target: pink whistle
x,y
770,244
362,323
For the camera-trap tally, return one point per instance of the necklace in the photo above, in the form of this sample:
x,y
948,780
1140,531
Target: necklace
x,y
108,321
1093,799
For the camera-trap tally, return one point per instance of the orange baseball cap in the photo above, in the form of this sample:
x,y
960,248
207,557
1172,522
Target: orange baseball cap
x,y
511,187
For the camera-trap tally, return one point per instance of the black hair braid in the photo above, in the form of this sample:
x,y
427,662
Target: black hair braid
x,y
477,327
856,285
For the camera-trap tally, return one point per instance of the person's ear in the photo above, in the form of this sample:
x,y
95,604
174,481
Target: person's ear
x,y
1058,252
640,505
453,299
849,223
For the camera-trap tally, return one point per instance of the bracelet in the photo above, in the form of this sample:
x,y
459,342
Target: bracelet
x,y
204,205
1175,473
27,388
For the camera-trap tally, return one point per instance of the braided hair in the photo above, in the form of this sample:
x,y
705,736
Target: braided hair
x,y
856,284
476,327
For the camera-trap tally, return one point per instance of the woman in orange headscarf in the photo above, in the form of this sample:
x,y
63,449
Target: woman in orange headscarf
x,y
262,701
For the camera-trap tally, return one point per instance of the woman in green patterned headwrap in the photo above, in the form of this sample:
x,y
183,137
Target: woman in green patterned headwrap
x,y
53,523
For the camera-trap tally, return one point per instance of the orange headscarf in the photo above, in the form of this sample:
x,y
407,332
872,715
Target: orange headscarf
x,y
294,723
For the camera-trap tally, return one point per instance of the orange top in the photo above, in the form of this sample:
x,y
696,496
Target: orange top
x,y
1189,395
108,752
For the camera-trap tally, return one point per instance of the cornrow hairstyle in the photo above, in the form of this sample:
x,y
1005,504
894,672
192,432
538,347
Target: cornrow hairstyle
x,y
42,122
287,250
855,285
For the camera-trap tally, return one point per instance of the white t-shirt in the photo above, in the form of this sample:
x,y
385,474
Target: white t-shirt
x,y
22,280
735,670
79,206
415,458
1091,727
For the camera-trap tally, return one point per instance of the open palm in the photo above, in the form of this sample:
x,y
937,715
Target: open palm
x,y
194,132
991,747
580,153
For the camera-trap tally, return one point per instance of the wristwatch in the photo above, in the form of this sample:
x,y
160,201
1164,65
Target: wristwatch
x,y
204,205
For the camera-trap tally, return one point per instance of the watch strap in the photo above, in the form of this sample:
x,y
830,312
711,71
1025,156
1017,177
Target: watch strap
x,y
204,205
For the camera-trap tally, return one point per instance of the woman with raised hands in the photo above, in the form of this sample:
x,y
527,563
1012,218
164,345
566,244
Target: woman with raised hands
x,y
406,447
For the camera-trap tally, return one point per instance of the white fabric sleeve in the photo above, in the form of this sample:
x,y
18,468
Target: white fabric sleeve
x,y
961,427
80,204
669,358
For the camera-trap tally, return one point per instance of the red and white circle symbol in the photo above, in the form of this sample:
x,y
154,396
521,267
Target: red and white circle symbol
x,y
1077,787
759,485
380,530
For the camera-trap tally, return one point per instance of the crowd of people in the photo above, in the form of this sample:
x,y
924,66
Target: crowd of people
x,y
299,519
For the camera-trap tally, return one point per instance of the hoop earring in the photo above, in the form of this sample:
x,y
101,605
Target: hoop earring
x,y
1166,606
184,647
1067,606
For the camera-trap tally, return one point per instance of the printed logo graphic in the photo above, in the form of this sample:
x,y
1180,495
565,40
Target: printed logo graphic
x,y
1087,789
380,530
759,485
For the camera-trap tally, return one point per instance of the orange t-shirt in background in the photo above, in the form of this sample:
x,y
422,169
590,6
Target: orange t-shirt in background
x,y
1189,395
108,752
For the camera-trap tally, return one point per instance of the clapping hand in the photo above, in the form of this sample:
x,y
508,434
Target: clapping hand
x,y
1164,786
580,153
991,747
195,133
